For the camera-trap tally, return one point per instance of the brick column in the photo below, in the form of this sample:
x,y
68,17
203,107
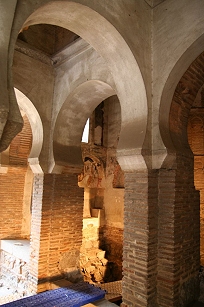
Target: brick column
x,y
56,230
140,239
62,223
178,235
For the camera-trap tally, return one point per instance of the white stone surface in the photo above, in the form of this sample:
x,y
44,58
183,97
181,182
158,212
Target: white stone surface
x,y
18,248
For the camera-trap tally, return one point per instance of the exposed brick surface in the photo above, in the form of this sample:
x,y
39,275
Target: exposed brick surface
x,y
196,141
56,225
179,221
183,99
11,195
140,239
178,236
12,184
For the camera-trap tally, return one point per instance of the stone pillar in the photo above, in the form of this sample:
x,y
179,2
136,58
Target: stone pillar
x,y
140,239
178,235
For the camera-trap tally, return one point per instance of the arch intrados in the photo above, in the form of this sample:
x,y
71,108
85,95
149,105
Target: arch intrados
x,y
108,42
35,122
167,98
73,116
77,108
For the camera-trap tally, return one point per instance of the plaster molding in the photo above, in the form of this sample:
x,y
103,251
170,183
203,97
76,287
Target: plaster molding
x,y
35,166
154,3
158,157
71,51
131,160
32,52
56,169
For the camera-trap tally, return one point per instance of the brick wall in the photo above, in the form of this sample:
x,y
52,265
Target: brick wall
x,y
12,184
196,141
11,195
56,233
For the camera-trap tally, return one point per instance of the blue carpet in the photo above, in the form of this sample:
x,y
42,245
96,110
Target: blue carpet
x,y
75,296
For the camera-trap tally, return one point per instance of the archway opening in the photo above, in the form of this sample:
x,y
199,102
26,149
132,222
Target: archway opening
x,y
182,164
103,183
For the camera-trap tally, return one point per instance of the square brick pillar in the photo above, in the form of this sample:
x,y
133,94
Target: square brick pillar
x,y
140,239
161,257
56,230
178,235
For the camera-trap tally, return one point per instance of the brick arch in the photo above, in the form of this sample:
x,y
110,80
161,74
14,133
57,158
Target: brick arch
x,y
184,96
170,90
174,113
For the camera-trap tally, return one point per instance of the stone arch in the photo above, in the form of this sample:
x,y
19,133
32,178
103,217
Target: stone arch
x,y
178,95
108,42
36,126
72,118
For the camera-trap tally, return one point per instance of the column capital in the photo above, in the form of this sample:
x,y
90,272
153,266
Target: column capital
x,y
35,166
131,159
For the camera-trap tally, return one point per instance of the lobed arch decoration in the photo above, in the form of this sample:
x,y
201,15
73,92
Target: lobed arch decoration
x,y
179,93
36,126
72,118
107,41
